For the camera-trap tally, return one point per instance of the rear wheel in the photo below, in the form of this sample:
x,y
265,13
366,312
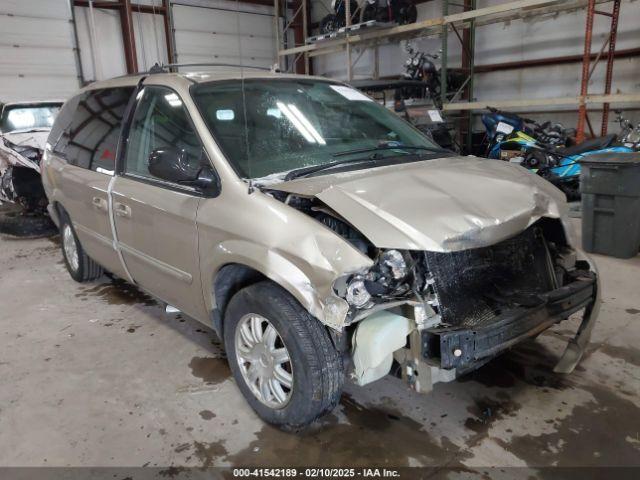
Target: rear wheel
x,y
79,265
328,24
282,358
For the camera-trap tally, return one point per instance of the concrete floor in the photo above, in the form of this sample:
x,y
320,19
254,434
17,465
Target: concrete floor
x,y
99,375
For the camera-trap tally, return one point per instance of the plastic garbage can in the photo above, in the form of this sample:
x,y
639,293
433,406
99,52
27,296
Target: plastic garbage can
x,y
610,188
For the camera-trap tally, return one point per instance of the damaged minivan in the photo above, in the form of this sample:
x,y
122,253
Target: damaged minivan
x,y
323,238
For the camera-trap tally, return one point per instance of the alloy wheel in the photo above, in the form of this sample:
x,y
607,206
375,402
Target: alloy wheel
x,y
70,247
264,361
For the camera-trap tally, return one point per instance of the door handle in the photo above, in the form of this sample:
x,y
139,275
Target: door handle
x,y
99,203
123,210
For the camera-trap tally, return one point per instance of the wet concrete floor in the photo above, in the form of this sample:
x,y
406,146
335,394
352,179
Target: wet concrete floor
x,y
98,375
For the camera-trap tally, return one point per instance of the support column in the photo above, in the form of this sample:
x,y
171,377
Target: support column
x,y
129,41
612,55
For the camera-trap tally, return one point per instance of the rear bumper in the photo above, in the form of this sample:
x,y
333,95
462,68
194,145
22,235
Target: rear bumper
x,y
466,348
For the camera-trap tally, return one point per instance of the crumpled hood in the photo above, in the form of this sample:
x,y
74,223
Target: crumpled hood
x,y
442,205
36,138
9,141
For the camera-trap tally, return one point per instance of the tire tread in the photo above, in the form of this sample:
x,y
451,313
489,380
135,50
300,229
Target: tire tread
x,y
325,365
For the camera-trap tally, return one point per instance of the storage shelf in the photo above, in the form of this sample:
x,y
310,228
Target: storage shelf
x,y
434,26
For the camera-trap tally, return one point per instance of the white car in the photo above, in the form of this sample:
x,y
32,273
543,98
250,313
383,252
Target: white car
x,y
24,128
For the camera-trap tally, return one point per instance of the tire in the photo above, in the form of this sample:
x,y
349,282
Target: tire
x,y
83,268
315,365
328,24
368,12
408,15
21,225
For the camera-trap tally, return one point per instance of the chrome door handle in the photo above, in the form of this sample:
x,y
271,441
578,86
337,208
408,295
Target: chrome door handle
x,y
99,203
123,210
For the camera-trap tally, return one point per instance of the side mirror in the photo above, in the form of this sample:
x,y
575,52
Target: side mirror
x,y
207,182
172,165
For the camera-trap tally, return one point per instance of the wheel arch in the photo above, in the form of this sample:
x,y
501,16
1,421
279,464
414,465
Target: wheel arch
x,y
253,265
228,281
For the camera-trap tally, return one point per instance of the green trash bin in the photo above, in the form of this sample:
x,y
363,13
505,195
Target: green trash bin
x,y
610,188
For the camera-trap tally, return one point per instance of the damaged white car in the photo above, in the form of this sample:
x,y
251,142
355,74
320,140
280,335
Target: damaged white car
x,y
322,236
24,128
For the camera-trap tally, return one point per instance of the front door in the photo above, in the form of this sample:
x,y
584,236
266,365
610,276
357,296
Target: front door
x,y
155,220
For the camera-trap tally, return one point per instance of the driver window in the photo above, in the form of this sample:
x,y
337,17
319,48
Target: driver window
x,y
160,121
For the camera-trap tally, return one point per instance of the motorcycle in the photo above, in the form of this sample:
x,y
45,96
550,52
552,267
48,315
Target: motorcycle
x,y
547,133
513,139
399,11
420,66
629,135
334,21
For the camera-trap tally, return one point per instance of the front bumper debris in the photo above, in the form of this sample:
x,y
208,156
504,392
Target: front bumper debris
x,y
465,348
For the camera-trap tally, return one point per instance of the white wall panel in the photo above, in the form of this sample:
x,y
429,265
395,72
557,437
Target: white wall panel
x,y
223,35
109,50
37,58
151,43
148,29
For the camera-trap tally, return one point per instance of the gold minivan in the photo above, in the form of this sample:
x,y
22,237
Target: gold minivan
x,y
321,236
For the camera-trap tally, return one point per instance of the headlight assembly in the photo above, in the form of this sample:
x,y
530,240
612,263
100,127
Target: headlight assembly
x,y
394,260
389,278
357,294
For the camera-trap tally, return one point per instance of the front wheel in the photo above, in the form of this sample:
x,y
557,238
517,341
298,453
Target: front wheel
x,y
281,357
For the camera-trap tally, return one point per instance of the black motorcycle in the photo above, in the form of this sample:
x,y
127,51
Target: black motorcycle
x,y
398,11
421,66
334,21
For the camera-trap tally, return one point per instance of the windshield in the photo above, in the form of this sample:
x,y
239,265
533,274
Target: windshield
x,y
278,125
24,117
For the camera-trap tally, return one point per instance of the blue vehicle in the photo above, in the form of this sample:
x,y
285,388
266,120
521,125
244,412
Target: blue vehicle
x,y
517,139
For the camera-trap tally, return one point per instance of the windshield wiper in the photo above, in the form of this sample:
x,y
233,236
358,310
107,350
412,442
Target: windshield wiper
x,y
300,172
391,146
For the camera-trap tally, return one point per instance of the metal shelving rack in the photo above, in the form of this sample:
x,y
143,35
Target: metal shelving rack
x,y
463,24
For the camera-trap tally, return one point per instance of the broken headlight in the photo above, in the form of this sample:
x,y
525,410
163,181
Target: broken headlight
x,y
395,262
357,294
389,278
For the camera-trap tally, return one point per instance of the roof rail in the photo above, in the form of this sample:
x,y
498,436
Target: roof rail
x,y
168,67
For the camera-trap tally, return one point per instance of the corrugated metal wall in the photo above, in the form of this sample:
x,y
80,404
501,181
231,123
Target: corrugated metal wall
x,y
149,36
37,39
225,33
37,58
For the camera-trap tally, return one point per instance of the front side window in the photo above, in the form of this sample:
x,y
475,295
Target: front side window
x,y
160,122
91,139
267,126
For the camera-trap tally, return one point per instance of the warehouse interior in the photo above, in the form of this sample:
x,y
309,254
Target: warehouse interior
x,y
107,379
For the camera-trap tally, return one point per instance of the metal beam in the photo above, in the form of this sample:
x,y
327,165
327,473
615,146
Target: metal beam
x,y
543,62
128,38
541,102
168,31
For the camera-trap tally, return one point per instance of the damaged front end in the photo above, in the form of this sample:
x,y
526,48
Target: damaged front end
x,y
463,308
20,180
455,279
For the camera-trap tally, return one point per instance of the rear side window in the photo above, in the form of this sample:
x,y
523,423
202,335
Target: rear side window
x,y
90,140
59,131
